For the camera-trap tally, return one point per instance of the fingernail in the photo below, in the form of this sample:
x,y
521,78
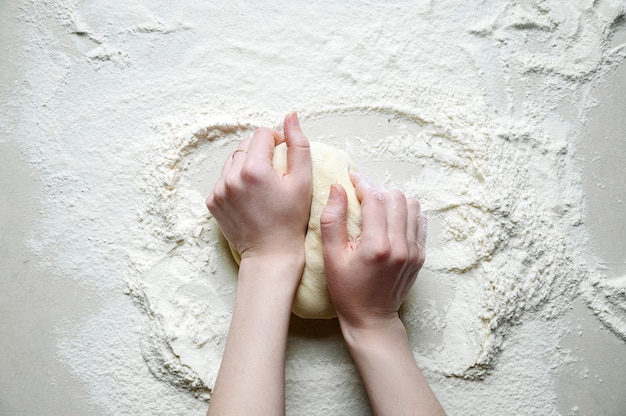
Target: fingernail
x,y
334,195
293,119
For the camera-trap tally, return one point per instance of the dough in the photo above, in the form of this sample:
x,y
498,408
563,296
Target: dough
x,y
330,165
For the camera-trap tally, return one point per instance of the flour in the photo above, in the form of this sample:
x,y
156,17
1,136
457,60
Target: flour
x,y
500,246
607,298
473,109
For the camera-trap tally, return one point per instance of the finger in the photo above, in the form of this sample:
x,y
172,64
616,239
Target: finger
x,y
362,184
279,137
298,148
373,211
422,230
239,156
397,216
333,221
218,190
413,208
239,152
261,146
210,202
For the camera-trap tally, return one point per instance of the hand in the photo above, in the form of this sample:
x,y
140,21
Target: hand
x,y
369,279
264,215
260,211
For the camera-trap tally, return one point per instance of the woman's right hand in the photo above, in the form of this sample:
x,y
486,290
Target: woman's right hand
x,y
368,279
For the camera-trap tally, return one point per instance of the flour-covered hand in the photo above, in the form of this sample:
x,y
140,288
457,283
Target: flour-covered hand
x,y
260,211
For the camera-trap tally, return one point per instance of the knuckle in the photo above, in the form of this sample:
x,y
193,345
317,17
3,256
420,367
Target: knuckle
x,y
232,184
399,256
378,196
250,173
210,201
302,142
328,218
379,251
216,197
299,140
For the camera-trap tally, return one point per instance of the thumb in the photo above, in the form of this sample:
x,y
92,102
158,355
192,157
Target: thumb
x,y
298,147
333,221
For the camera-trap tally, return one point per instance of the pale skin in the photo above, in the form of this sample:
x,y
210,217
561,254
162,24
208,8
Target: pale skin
x,y
264,215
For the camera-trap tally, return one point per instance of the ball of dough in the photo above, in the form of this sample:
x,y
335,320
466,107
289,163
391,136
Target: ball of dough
x,y
330,166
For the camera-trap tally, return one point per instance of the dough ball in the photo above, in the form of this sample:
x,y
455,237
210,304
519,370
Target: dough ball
x,y
330,166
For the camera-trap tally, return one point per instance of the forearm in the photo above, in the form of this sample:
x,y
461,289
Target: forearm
x,y
392,379
252,375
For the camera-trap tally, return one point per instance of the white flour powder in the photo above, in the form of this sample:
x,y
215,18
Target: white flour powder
x,y
473,109
502,248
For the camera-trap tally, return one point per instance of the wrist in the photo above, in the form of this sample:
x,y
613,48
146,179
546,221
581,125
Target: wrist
x,y
373,331
291,256
284,265
271,279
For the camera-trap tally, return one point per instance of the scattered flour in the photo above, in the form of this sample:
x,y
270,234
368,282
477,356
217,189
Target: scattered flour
x,y
607,298
473,109
501,248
